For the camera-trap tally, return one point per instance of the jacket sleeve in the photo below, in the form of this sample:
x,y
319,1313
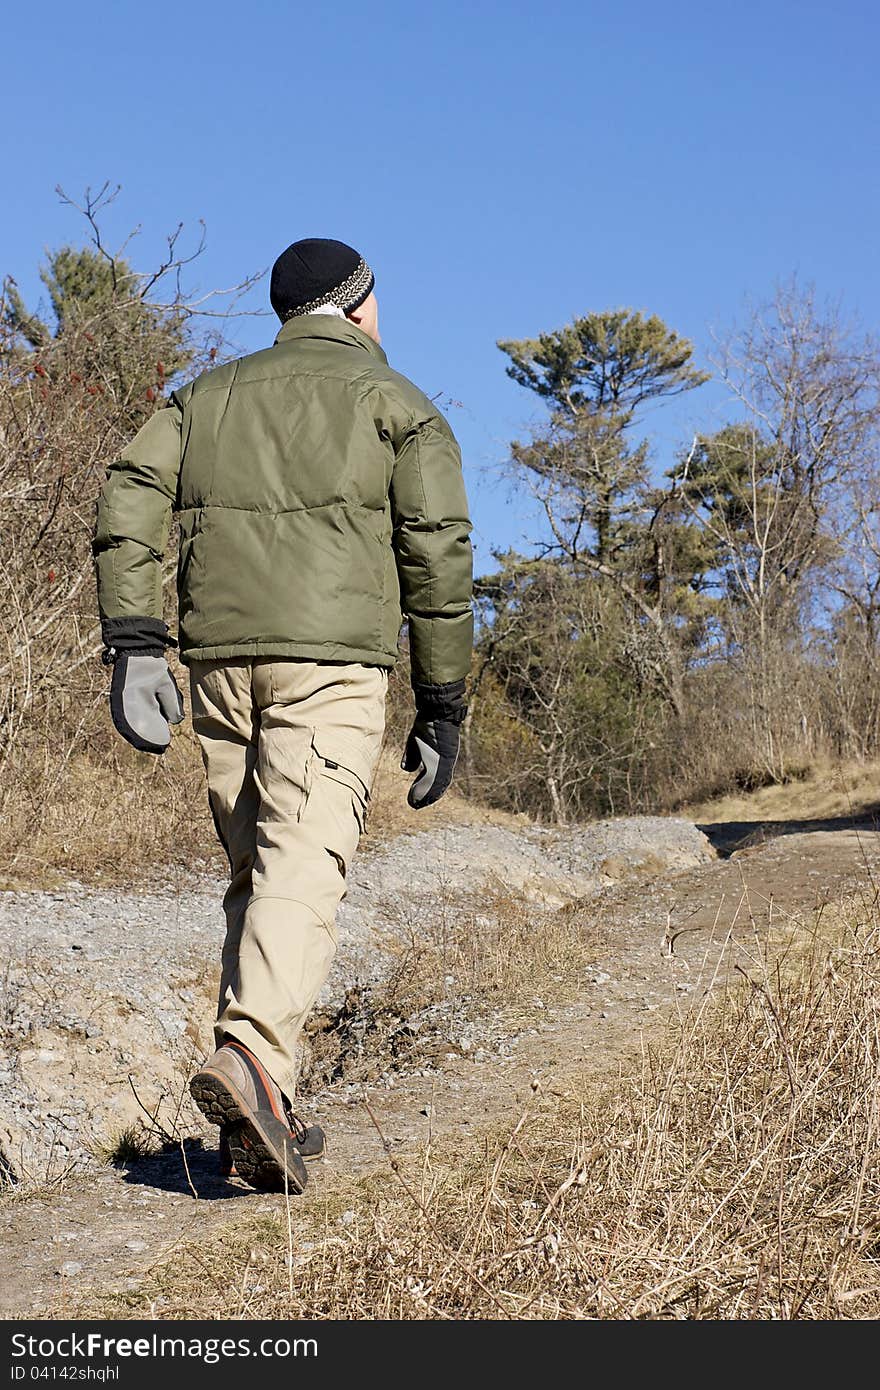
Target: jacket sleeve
x,y
134,518
431,539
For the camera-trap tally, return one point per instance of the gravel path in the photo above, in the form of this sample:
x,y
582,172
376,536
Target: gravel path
x,y
101,987
98,1228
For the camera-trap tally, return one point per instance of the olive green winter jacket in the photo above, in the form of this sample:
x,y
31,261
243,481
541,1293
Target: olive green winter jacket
x,y
318,492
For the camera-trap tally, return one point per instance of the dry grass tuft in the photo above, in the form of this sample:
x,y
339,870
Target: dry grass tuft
x,y
735,1175
130,1145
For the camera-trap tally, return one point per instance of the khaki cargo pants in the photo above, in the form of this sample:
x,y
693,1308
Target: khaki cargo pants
x,y
290,749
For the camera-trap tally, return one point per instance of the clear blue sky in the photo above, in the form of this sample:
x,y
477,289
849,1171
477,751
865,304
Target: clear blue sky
x,y
503,167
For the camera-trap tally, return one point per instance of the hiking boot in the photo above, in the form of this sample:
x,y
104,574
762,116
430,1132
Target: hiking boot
x,y
233,1090
309,1140
224,1157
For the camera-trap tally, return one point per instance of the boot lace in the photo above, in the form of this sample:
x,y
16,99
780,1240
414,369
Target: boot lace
x,y
298,1128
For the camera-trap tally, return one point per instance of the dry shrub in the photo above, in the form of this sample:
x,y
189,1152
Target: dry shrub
x,y
735,1175
72,392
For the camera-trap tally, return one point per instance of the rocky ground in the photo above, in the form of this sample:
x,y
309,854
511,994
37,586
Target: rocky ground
x,y
107,997
106,1004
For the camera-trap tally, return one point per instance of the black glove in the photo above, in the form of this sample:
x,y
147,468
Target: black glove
x,y
432,746
144,696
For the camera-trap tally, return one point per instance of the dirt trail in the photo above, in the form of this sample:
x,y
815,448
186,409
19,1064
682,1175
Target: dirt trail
x,y
106,1228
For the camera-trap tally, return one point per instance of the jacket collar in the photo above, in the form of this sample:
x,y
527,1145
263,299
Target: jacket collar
x,y
326,326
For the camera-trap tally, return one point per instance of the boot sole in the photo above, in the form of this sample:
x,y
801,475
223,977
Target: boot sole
x,y
261,1146
273,1182
306,1158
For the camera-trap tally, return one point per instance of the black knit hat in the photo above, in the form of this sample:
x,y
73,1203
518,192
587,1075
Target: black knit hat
x,y
315,272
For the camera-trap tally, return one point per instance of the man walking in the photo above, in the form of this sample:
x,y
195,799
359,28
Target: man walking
x,y
319,494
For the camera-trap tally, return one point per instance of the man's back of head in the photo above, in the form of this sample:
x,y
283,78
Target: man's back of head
x,y
319,275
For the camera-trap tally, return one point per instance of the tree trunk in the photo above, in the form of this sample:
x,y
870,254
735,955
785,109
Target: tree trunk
x,y
558,809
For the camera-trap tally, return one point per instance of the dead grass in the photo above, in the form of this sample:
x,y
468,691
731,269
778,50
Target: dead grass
x,y
734,1174
102,813
471,972
826,792
79,803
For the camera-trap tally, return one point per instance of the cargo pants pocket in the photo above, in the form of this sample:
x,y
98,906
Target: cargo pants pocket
x,y
284,772
340,793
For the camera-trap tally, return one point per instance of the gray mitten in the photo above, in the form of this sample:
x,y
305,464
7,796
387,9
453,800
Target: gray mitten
x,y
144,698
432,747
